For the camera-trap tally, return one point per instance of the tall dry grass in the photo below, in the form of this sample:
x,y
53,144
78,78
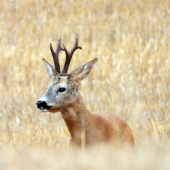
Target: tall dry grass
x,y
131,79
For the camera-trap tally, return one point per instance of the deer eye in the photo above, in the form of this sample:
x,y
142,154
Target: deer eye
x,y
62,89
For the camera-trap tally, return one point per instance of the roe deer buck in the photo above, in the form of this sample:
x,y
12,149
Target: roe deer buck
x,y
63,96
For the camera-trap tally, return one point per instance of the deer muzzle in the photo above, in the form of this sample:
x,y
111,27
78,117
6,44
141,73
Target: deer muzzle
x,y
42,105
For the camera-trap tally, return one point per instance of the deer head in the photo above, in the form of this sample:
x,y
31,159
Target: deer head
x,y
63,90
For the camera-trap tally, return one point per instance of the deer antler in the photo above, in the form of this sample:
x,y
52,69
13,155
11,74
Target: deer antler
x,y
69,55
56,54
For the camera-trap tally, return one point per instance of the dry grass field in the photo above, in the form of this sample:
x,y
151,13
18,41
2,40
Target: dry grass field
x,y
131,79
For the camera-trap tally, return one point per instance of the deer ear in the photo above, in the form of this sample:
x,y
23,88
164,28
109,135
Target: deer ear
x,y
82,71
50,69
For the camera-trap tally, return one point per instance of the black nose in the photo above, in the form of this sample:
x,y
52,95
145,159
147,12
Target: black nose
x,y
42,105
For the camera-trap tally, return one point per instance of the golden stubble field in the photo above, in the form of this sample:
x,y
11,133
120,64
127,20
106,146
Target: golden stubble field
x,y
131,79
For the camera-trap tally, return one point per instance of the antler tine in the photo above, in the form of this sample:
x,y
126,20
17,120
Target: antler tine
x,y
70,54
56,55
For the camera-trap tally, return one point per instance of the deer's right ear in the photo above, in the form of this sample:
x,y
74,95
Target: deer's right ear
x,y
50,69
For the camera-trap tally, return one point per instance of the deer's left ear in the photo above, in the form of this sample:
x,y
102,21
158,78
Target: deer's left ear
x,y
50,69
82,71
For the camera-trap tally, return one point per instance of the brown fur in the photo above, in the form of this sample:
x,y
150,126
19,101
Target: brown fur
x,y
97,128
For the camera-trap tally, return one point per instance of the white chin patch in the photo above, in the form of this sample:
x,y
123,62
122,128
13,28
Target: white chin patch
x,y
44,110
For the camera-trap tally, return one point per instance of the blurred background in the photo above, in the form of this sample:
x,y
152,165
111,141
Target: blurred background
x,y
131,78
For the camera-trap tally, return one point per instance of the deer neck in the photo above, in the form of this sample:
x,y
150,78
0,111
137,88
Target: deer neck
x,y
77,118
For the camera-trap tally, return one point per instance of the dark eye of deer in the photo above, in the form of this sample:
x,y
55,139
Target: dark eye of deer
x,y
62,89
